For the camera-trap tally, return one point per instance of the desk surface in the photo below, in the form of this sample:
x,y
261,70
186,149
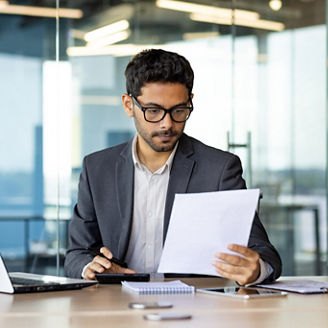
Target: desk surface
x,y
107,306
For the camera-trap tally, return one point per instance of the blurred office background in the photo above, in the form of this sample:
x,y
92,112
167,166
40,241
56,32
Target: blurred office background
x,y
260,91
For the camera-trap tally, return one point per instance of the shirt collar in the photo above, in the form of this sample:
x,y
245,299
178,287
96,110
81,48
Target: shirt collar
x,y
137,162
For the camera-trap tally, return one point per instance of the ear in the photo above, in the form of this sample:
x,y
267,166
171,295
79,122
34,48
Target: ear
x,y
191,95
127,104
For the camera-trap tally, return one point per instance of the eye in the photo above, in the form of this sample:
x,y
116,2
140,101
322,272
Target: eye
x,y
180,110
154,111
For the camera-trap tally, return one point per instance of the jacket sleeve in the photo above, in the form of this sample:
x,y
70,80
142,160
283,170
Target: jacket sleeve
x,y
259,242
231,179
83,230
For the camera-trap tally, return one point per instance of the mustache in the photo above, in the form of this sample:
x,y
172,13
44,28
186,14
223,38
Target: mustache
x,y
169,133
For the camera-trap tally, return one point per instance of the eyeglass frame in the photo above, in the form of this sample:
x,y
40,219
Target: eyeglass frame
x,y
166,111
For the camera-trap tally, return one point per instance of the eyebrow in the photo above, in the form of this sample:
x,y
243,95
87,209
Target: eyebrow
x,y
157,105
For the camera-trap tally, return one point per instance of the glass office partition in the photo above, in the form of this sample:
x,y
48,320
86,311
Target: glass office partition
x,y
260,91
34,168
24,48
279,120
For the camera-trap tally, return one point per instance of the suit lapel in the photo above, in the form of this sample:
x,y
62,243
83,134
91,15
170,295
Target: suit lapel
x,y
179,177
124,179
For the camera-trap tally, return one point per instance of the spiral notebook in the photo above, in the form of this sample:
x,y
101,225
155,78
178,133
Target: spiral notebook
x,y
155,287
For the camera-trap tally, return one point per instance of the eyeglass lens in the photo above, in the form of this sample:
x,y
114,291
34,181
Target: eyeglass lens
x,y
157,114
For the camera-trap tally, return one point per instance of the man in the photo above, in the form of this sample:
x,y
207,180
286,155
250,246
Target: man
x,y
126,192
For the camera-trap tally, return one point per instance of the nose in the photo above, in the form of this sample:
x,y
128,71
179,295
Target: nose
x,y
166,122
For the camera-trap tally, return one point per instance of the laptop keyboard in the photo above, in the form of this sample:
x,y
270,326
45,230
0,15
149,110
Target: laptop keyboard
x,y
30,282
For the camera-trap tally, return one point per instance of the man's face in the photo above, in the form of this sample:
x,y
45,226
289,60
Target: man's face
x,y
163,135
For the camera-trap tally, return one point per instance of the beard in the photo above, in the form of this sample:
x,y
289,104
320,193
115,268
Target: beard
x,y
169,146
161,146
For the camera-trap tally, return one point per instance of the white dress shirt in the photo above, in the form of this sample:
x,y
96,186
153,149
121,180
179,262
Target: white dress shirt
x,y
146,241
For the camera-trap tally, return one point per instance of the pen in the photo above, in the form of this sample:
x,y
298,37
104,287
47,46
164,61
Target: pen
x,y
115,260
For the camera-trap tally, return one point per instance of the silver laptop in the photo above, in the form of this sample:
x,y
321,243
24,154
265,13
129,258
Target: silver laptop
x,y
19,282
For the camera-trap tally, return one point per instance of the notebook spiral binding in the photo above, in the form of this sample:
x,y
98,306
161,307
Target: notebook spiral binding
x,y
167,290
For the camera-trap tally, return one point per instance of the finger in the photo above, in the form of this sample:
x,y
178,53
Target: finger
x,y
243,250
91,269
240,279
241,274
89,275
106,252
102,261
228,268
96,267
232,259
118,269
126,270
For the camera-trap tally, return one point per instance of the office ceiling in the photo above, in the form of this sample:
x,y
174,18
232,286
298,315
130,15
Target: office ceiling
x,y
150,24
294,13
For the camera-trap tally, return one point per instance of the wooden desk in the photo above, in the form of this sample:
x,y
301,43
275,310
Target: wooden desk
x,y
107,306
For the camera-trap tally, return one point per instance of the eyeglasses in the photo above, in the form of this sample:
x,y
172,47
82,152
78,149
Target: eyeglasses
x,y
155,114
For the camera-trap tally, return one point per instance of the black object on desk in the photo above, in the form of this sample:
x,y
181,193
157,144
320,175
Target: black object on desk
x,y
188,275
116,278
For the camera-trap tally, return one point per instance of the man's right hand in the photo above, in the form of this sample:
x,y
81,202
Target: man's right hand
x,y
102,264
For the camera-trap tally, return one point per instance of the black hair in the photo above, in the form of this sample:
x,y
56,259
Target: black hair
x,y
157,65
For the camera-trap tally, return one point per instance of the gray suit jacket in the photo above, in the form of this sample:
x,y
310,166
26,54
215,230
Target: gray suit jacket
x,y
103,214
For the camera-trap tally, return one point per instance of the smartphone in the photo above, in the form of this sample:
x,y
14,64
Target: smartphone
x,y
116,278
242,292
151,305
166,316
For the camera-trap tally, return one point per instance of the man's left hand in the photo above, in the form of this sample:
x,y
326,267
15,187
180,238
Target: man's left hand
x,y
244,269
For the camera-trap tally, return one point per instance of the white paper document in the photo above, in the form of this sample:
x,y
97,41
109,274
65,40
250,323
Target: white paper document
x,y
304,286
204,223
